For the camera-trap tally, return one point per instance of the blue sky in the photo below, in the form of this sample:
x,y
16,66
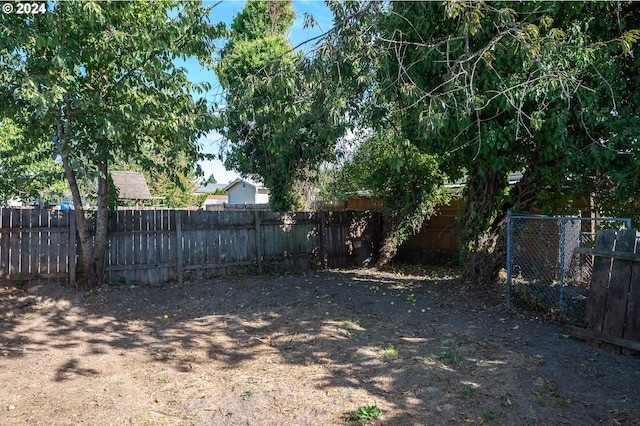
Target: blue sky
x,y
225,12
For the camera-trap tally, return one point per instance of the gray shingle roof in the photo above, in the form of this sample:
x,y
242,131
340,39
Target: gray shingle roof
x,y
131,186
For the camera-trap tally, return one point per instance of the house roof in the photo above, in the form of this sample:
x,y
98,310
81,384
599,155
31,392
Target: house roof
x,y
215,199
258,186
131,186
210,187
220,198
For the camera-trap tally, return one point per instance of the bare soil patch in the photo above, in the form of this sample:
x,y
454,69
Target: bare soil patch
x,y
299,350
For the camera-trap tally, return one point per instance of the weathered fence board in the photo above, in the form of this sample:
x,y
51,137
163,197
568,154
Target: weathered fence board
x,y
34,243
139,246
619,280
613,308
599,280
5,242
153,246
632,331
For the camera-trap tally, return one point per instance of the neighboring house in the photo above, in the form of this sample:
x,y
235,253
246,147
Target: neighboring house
x,y
215,202
132,186
210,188
242,191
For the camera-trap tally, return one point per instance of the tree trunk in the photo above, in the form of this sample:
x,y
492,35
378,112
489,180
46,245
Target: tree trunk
x,y
484,222
102,218
389,248
482,265
63,124
82,226
93,249
478,229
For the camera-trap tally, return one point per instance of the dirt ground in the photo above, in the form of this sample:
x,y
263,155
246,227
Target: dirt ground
x,y
299,350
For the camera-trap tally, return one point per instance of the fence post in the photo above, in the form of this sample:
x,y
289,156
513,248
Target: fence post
x,y
73,248
509,260
258,233
563,236
179,260
321,239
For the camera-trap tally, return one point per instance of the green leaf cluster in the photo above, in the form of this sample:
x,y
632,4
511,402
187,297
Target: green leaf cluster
x,y
278,121
27,171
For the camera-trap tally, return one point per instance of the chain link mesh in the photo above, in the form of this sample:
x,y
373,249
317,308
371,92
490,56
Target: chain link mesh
x,y
546,272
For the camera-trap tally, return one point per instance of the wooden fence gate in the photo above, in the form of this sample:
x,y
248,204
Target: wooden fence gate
x,y
613,306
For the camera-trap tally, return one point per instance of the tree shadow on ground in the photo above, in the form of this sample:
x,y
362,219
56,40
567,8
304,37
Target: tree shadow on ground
x,y
311,349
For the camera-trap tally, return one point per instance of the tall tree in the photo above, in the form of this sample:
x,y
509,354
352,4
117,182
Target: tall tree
x,y
275,119
210,179
98,79
548,88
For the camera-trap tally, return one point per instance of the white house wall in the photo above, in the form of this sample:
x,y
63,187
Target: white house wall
x,y
262,198
240,195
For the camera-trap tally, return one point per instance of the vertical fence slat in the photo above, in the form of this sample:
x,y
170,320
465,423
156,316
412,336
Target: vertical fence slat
x,y
258,242
616,302
14,245
322,238
150,273
179,247
25,243
596,303
4,245
632,321
73,248
43,237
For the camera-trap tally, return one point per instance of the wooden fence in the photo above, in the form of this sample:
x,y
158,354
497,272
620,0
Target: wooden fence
x,y
154,246
613,306
35,243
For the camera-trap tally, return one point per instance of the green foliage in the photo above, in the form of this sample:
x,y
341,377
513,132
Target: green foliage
x,y
491,88
548,395
366,412
199,199
246,395
409,181
276,119
262,18
174,188
26,171
390,351
489,417
98,79
174,195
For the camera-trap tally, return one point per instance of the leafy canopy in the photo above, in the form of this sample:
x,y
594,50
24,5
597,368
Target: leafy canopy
x,y
278,120
97,80
548,88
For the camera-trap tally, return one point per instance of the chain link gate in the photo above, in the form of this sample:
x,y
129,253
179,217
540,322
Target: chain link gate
x,y
544,271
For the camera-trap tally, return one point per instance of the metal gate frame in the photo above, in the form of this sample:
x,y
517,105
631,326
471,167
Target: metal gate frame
x,y
563,222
